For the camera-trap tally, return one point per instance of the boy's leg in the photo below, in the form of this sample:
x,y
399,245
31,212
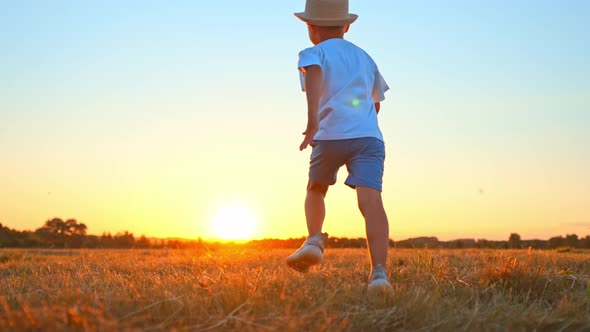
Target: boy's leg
x,y
315,209
326,159
365,174
380,291
376,224
312,250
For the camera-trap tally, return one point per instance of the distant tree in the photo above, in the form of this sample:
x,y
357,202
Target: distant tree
x,y
91,241
483,243
124,240
28,239
571,240
70,226
80,229
419,242
537,244
142,242
75,233
514,241
60,234
7,237
556,242
53,232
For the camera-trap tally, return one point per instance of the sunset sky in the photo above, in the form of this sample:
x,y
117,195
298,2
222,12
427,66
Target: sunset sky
x,y
158,116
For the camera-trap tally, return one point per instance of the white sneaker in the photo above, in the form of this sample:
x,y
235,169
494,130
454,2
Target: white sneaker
x,y
380,291
309,254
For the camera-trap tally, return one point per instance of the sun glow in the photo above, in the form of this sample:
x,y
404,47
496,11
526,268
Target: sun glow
x,y
234,222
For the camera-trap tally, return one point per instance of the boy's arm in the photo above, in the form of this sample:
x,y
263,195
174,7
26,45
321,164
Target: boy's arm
x,y
313,83
377,107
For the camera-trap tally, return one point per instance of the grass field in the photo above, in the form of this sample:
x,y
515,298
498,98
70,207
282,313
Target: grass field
x,y
251,290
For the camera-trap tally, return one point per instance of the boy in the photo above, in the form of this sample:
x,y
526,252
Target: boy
x,y
344,89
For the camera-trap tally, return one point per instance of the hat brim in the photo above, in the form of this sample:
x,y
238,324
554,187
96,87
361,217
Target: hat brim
x,y
327,22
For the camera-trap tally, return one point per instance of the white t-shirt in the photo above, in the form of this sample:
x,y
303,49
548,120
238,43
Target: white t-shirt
x,y
351,85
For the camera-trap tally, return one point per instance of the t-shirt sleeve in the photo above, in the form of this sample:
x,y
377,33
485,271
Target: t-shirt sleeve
x,y
308,57
379,87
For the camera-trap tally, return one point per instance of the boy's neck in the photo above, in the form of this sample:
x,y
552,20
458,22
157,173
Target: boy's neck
x,y
323,39
330,33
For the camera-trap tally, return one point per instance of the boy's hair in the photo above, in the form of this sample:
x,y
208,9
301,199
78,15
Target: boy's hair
x,y
327,28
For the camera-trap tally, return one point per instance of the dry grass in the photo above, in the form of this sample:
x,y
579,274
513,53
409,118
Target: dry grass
x,y
250,290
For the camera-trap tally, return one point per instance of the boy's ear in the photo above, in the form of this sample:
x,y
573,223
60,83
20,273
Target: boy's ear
x,y
346,28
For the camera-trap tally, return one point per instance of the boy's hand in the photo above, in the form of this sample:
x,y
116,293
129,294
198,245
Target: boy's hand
x,y
309,133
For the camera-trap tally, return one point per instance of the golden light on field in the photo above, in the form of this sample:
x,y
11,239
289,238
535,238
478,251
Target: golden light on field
x,y
234,222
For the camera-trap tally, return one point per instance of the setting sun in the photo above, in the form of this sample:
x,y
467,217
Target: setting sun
x,y
234,222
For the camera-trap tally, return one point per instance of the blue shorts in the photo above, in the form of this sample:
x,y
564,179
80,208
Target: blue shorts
x,y
364,159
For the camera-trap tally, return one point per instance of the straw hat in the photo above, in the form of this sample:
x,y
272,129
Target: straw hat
x,y
327,13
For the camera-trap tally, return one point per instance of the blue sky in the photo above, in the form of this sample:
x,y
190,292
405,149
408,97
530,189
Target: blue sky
x,y
189,102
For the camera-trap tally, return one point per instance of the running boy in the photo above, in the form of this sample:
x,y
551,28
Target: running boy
x,y
343,88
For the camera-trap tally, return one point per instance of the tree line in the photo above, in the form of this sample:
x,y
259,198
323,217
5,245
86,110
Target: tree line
x,y
514,241
57,233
